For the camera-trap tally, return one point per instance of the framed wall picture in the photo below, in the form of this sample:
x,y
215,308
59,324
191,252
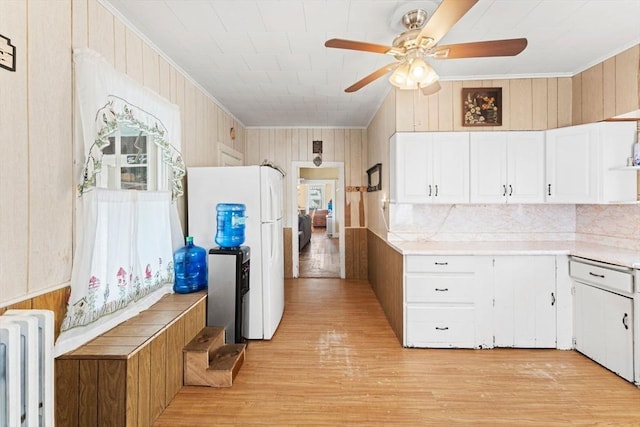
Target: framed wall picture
x,y
482,106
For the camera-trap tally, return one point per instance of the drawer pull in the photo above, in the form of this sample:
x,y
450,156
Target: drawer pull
x,y
596,275
510,190
442,328
553,299
625,321
429,190
442,289
504,190
442,263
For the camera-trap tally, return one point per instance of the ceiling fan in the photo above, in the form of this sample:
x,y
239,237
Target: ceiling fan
x,y
420,41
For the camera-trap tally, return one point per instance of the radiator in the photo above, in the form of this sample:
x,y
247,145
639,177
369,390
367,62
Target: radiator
x,y
26,368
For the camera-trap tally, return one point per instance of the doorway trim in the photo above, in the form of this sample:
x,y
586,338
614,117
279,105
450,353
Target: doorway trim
x,y
339,204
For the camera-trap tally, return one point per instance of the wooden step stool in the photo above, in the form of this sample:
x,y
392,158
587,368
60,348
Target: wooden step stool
x,y
208,361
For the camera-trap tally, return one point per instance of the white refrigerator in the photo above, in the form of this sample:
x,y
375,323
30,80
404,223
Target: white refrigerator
x,y
260,189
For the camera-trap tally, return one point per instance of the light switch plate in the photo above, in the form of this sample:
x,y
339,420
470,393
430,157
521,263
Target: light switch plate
x,y
7,54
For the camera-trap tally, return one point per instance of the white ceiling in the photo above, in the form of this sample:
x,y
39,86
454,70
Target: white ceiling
x,y
265,61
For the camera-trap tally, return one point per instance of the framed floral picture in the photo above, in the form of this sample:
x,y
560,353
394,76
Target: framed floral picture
x,y
482,106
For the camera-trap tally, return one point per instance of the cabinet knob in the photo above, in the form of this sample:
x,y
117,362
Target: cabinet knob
x,y
625,321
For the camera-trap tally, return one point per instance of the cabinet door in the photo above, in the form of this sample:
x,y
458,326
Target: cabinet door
x,y
411,176
525,167
524,301
488,151
450,163
603,328
571,158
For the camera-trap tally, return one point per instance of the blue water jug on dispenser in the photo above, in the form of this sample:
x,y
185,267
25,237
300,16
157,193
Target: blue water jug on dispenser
x,y
190,268
231,224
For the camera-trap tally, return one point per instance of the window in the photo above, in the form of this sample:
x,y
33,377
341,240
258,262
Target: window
x,y
316,199
130,161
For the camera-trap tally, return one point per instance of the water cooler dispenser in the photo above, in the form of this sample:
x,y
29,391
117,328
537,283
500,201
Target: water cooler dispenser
x,y
228,287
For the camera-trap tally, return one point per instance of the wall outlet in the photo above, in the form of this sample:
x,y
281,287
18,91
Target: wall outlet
x,y
7,54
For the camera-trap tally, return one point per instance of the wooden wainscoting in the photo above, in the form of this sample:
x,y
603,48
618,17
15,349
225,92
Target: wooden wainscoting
x,y
385,276
288,253
55,301
355,257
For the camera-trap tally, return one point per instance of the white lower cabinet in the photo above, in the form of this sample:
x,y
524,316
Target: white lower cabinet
x,y
524,309
480,301
447,301
603,317
446,326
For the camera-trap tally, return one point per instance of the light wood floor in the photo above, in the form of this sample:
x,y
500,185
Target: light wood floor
x,y
335,361
321,257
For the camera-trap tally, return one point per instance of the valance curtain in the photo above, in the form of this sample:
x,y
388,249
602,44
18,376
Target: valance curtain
x,y
124,239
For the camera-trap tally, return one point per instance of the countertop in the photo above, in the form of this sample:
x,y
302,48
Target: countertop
x,y
601,253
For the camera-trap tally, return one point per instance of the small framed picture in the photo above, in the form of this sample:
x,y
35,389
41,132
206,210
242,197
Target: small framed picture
x,y
482,106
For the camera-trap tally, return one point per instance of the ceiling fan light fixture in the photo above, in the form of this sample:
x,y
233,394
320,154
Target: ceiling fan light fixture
x,y
418,69
414,75
399,77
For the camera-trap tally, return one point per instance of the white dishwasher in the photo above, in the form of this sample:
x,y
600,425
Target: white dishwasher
x,y
603,314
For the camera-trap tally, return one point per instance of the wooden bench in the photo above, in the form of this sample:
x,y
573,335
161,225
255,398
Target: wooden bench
x,y
128,375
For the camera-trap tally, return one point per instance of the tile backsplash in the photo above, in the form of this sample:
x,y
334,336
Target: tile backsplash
x,y
481,222
615,225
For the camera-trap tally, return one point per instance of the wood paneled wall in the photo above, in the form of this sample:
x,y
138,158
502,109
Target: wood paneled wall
x,y
386,279
38,181
527,104
55,301
607,89
286,145
35,139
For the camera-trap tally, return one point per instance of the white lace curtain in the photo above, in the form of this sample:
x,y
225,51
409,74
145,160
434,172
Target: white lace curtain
x,y
124,239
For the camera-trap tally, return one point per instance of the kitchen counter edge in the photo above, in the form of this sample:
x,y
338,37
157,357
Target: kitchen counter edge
x,y
601,253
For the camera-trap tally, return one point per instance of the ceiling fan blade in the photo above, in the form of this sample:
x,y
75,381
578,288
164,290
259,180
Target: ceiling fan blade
x,y
431,89
371,77
354,45
445,17
507,47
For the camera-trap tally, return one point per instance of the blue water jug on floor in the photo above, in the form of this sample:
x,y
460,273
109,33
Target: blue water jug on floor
x,y
190,267
230,230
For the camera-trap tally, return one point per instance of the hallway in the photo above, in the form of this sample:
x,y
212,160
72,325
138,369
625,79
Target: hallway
x,y
335,361
321,257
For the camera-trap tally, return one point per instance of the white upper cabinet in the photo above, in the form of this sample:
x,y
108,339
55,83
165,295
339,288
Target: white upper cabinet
x,y
581,161
576,164
430,167
507,167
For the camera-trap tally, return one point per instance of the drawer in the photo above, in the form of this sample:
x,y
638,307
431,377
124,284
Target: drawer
x,y
601,276
440,326
457,289
440,264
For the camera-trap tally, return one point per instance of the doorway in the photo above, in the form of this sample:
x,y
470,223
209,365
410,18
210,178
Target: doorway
x,y
318,203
